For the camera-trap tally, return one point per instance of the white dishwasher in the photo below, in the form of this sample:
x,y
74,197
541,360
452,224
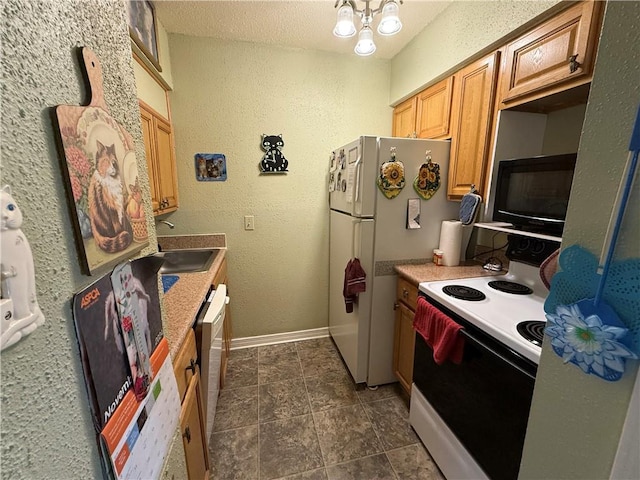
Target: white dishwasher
x,y
208,331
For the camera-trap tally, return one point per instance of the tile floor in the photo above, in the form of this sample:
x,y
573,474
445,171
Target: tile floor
x,y
292,411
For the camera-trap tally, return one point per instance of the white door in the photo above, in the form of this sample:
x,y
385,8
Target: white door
x,y
350,237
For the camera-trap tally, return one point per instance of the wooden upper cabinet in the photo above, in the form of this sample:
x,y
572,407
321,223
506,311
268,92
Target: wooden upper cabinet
x,y
471,124
404,118
161,161
555,56
434,110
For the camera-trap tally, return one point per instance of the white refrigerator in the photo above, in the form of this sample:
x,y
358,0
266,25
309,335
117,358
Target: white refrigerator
x,y
367,225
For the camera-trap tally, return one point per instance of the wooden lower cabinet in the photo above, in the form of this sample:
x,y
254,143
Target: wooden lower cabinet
x,y
193,432
404,335
192,417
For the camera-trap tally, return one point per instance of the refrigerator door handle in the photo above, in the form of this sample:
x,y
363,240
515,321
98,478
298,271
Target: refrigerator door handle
x,y
358,164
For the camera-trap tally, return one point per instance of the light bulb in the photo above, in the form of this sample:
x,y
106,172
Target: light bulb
x,y
390,23
365,45
344,26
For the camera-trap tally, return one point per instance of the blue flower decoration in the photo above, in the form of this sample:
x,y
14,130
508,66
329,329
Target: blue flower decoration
x,y
587,342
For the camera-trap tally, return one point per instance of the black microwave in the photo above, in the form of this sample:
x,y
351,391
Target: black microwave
x,y
532,193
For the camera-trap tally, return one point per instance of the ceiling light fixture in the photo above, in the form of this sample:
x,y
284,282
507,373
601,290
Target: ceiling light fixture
x,y
389,23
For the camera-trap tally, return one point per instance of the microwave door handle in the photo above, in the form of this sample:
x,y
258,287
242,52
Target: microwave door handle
x,y
482,345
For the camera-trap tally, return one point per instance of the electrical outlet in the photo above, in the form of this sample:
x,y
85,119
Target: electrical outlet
x,y
248,222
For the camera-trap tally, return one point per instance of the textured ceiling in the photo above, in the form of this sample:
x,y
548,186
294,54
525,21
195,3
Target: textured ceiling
x,y
300,24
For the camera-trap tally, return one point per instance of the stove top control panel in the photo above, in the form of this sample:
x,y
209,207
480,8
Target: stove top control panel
x,y
530,250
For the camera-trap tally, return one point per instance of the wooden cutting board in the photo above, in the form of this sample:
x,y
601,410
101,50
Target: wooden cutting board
x,y
102,177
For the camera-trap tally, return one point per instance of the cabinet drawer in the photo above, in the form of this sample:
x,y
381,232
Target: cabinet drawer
x,y
184,364
407,292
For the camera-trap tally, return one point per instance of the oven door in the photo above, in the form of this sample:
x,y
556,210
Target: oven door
x,y
484,401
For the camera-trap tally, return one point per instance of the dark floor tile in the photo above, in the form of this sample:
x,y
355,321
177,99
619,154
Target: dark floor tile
x,y
390,420
389,390
335,389
276,368
278,348
319,474
233,454
320,362
322,343
283,400
242,369
375,467
414,463
236,407
288,447
345,434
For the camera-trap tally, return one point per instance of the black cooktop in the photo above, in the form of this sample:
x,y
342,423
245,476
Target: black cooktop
x,y
510,287
463,293
532,330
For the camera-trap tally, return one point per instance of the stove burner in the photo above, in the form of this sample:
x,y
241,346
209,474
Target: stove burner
x,y
463,293
532,330
510,287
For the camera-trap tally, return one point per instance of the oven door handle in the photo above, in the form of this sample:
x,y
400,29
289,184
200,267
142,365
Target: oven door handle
x,y
473,339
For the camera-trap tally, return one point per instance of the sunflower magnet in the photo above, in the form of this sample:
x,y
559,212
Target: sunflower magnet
x,y
427,183
391,179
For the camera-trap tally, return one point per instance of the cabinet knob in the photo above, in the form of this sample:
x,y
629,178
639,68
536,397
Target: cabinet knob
x,y
396,306
187,434
573,63
192,366
405,293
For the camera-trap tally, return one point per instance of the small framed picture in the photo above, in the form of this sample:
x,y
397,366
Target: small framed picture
x,y
141,16
210,167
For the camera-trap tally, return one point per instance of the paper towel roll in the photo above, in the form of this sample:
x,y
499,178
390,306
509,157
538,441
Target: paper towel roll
x,y
450,241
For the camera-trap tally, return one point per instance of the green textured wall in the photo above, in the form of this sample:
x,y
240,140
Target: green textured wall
x,y
46,430
226,95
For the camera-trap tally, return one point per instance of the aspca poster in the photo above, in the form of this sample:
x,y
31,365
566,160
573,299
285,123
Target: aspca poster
x,y
110,359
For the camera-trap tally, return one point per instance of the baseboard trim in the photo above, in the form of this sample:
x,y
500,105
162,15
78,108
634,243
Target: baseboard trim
x,y
261,340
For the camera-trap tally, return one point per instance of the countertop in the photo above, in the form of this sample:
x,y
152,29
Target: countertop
x,y
183,300
429,272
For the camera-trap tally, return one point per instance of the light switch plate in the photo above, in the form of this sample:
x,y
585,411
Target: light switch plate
x,y
248,222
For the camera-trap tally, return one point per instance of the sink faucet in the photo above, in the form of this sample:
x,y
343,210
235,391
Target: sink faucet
x,y
166,222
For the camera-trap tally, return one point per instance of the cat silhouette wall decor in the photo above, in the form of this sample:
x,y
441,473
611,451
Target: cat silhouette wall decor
x,y
273,160
21,313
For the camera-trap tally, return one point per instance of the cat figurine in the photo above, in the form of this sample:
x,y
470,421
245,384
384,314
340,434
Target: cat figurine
x,y
21,314
273,160
110,226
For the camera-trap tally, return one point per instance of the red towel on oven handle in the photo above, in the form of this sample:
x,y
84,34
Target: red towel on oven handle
x,y
440,332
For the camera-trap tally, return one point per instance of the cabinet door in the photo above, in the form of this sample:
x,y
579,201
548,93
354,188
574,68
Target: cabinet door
x,y
434,109
404,118
148,136
167,178
473,97
184,365
403,346
193,434
540,62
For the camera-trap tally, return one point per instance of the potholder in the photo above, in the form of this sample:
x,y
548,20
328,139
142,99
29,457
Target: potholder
x,y
427,183
391,179
469,207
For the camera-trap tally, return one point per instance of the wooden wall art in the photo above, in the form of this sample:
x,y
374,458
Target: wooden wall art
x,y
102,177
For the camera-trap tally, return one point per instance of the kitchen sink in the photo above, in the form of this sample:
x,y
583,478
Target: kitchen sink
x,y
185,261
